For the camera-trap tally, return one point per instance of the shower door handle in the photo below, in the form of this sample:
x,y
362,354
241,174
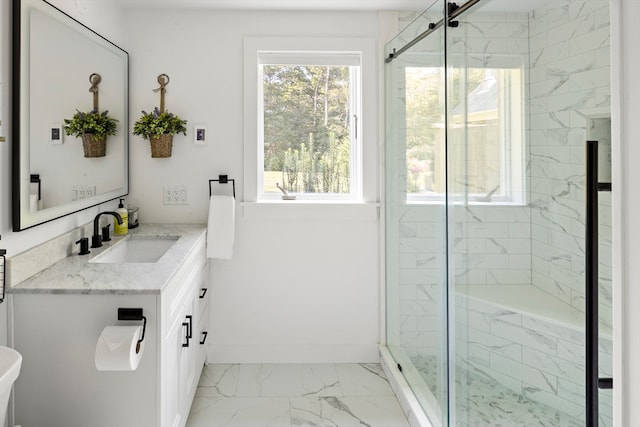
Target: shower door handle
x,y
605,383
593,383
3,269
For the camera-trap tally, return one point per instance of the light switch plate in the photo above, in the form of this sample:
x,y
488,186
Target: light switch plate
x,y
199,135
55,134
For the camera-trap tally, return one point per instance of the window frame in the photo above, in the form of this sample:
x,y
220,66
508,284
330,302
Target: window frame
x,y
366,178
513,162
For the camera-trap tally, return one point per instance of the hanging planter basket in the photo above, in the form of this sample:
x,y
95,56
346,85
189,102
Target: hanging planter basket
x,y
93,126
161,146
160,120
94,146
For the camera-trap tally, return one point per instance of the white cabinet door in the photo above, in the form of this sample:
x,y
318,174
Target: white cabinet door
x,y
181,351
187,365
173,355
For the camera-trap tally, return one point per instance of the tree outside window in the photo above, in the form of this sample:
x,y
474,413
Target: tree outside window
x,y
309,118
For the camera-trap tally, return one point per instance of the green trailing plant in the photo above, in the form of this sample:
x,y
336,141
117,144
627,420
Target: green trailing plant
x,y
156,124
93,122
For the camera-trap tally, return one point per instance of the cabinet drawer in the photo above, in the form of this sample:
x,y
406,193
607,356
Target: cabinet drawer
x,y
185,283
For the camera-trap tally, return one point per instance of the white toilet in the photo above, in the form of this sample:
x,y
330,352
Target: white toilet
x,y
10,362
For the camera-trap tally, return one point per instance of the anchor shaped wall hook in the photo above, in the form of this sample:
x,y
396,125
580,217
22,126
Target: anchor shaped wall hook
x,y
95,80
163,79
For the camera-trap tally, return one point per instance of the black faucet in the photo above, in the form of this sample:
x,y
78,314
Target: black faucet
x,y
96,239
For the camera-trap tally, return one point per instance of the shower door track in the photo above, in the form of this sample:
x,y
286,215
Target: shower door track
x,y
453,12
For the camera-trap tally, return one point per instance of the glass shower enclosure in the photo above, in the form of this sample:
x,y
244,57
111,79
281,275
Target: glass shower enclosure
x,y
490,255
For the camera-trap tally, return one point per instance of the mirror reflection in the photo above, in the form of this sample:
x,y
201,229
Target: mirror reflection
x,y
59,58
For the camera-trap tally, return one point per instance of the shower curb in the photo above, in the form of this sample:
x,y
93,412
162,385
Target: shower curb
x,y
410,406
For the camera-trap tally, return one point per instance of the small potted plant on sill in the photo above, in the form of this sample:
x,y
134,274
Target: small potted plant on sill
x,y
159,127
93,127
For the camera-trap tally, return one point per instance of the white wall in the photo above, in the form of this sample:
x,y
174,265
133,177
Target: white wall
x,y
301,287
104,17
626,209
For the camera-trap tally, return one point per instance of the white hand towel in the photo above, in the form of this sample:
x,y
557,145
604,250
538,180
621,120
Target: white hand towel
x,y
221,227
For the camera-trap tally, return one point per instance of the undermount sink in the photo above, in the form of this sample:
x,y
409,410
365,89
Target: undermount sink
x,y
136,249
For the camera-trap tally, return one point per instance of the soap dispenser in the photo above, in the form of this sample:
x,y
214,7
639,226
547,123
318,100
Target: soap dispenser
x,y
121,229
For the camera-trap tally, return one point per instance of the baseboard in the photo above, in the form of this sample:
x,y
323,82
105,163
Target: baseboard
x,y
293,353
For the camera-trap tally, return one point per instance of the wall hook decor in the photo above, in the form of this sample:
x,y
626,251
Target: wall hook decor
x,y
95,80
163,79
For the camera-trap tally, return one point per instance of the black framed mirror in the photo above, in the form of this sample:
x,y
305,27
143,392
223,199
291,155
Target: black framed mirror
x,y
54,57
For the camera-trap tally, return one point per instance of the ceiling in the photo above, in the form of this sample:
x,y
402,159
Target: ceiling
x,y
355,5
369,5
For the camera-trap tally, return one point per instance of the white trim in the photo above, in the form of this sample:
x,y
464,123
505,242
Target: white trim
x,y
311,210
623,25
292,353
304,58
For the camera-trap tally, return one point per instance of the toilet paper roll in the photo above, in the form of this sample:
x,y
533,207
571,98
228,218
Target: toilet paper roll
x,y
116,348
33,203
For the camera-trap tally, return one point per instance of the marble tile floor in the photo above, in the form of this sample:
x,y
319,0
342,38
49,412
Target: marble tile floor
x,y
295,395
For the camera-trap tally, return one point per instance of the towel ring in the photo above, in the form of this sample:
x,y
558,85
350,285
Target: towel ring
x,y
223,179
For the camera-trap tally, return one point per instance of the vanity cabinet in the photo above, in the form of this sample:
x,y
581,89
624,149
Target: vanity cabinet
x,y
182,347
56,332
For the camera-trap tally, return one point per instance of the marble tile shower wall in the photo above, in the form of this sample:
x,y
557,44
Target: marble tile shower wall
x,y
569,83
492,243
542,361
496,250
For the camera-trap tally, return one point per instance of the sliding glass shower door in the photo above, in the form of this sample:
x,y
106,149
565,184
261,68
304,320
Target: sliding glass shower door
x,y
489,108
416,237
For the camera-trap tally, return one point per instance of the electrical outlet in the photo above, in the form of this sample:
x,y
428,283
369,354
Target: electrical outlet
x,y
174,195
167,195
82,191
182,195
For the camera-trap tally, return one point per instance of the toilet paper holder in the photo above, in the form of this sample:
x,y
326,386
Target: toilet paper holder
x,y
134,314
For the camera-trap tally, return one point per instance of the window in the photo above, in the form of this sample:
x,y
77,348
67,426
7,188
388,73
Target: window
x,y
335,162
485,139
308,118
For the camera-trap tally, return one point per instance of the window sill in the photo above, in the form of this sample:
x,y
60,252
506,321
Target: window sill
x,y
311,210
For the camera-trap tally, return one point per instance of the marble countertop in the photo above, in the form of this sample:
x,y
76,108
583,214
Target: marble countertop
x,y
76,275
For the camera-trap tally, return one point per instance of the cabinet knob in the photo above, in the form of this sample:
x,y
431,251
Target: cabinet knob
x,y
204,337
186,344
203,292
190,326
